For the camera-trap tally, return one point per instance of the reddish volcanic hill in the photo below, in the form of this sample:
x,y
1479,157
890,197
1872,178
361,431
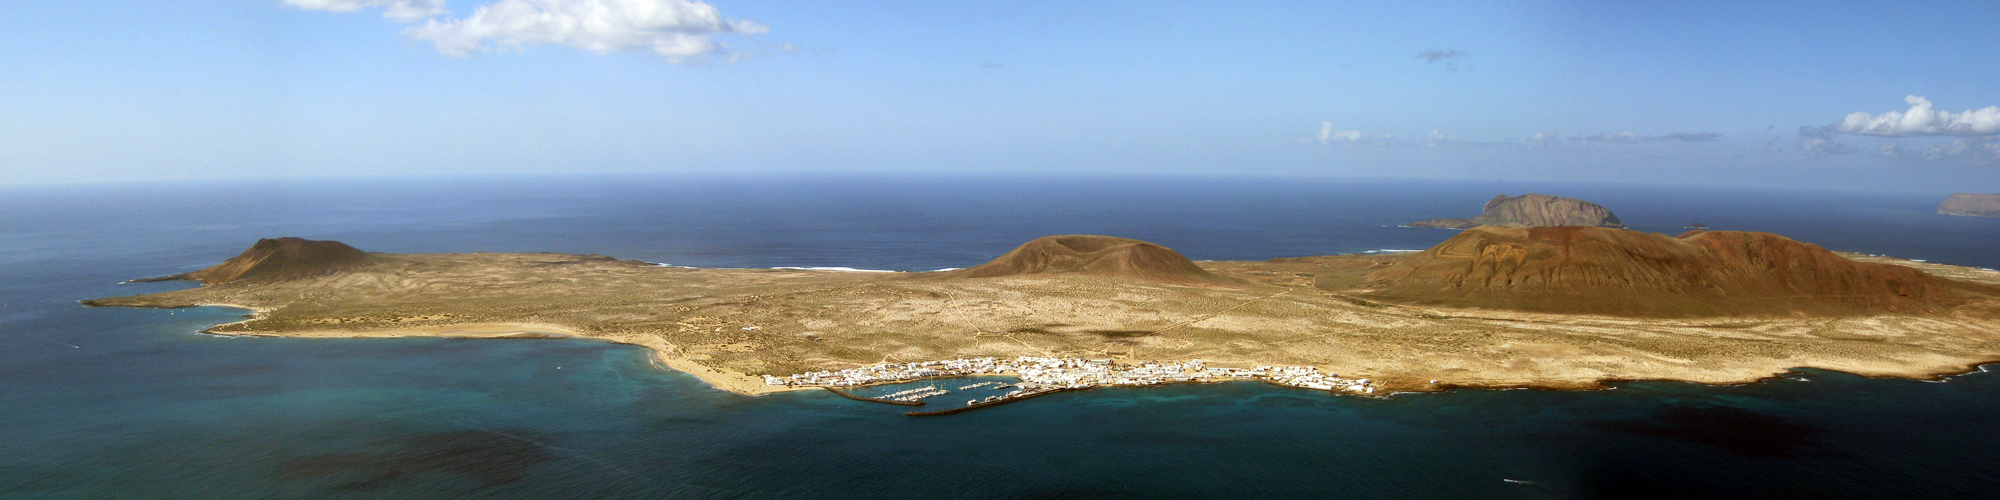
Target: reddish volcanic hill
x,y
1099,255
1597,270
281,259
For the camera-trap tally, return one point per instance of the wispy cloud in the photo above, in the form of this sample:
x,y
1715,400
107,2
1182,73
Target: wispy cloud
x,y
678,31
1543,140
1819,142
1692,136
1440,55
1448,57
398,10
1980,149
1540,140
1438,139
1629,137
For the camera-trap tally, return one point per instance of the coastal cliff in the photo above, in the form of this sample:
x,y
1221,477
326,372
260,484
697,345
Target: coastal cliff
x,y
1531,210
1971,205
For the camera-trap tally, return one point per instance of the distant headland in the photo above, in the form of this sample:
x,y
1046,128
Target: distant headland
x,y
1531,210
1555,307
1971,205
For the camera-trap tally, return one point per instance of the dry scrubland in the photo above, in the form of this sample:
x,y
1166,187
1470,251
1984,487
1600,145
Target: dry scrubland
x,y
731,325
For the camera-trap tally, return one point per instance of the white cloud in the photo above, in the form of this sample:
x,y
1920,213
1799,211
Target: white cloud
x,y
1921,119
1329,135
399,10
676,30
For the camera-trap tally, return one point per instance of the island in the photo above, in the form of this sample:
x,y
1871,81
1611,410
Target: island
x,y
1492,307
1971,205
1531,210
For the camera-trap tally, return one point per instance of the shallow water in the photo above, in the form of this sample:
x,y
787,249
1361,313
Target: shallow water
x,y
120,403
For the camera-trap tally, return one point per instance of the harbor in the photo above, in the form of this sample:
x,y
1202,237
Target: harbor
x,y
1040,376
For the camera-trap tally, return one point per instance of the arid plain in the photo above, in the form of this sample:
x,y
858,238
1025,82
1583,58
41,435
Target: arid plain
x,y
731,326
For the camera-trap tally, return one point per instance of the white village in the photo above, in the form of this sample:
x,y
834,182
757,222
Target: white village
x,y
1039,376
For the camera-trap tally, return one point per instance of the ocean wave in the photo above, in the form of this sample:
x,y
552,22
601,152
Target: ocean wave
x,y
1390,250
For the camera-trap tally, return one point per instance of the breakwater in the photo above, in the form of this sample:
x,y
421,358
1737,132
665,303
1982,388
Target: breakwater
x,y
990,402
849,395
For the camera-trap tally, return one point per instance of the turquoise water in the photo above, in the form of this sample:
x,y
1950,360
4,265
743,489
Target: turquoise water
x,y
120,403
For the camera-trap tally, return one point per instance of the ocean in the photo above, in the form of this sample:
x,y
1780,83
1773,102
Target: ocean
x,y
125,403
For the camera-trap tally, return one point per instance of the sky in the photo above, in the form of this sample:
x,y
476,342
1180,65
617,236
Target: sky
x,y
1843,95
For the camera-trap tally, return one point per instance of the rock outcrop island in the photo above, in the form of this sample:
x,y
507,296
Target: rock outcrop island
x,y
1971,205
1559,307
1531,210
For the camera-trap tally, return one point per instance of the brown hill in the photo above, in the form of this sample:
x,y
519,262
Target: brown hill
x,y
281,259
1532,210
1099,255
1971,205
1620,272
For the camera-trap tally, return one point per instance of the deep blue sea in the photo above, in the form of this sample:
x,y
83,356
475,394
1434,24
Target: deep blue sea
x,y
124,403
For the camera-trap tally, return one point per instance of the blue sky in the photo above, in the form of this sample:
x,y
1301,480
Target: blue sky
x,y
1651,92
